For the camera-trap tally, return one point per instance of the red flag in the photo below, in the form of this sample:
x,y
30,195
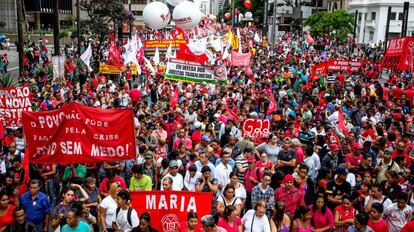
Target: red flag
x,y
186,54
112,35
232,115
341,123
272,106
1,129
114,54
174,98
25,165
309,39
140,55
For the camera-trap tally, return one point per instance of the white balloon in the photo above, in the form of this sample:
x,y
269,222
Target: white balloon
x,y
248,15
187,15
156,15
174,2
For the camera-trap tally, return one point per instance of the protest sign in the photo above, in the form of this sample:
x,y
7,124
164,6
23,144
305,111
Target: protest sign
x,y
169,208
13,101
162,44
256,128
319,70
79,134
400,54
345,65
194,72
240,59
115,69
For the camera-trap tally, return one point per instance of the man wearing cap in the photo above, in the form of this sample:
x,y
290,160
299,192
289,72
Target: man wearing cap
x,y
178,181
206,183
290,195
330,160
203,145
386,164
338,187
353,160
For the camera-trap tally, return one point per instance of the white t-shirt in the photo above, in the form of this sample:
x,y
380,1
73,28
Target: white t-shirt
x,y
385,201
190,182
122,220
259,224
178,182
110,205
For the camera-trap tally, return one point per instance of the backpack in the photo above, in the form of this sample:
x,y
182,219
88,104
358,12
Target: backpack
x,y
128,214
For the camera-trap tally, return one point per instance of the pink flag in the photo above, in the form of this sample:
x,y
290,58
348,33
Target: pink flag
x,y
341,123
232,115
272,105
240,59
309,39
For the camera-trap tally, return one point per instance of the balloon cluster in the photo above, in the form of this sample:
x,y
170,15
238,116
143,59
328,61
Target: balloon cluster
x,y
186,14
247,4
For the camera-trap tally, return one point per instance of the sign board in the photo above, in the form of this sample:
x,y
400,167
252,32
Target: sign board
x,y
194,72
256,128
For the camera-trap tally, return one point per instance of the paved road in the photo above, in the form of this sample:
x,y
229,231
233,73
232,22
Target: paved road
x,y
13,59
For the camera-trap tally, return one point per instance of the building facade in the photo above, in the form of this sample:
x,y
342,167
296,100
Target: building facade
x,y
372,19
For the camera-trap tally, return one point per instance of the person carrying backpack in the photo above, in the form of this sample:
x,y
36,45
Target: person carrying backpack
x,y
126,216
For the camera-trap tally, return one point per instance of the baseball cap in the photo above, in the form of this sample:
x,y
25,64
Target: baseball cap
x,y
388,150
173,163
197,124
289,178
334,147
217,115
357,146
341,170
251,159
206,138
148,155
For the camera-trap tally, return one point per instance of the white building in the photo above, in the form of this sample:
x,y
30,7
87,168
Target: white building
x,y
372,19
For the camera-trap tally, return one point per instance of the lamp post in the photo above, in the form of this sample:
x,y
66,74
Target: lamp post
x,y
274,30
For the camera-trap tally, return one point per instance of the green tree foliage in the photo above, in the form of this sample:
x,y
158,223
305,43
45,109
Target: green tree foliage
x,y
337,24
102,13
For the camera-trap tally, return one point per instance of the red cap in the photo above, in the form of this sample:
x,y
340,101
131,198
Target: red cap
x,y
357,146
334,147
397,116
323,184
289,178
251,159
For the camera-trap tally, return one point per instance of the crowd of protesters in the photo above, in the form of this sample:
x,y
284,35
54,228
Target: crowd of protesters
x,y
308,175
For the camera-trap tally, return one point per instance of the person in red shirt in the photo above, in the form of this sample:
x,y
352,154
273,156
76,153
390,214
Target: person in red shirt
x,y
110,178
376,222
290,195
408,227
128,76
397,91
353,160
6,211
192,224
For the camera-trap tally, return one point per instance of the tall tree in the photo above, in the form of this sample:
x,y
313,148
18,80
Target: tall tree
x,y
20,39
337,24
101,14
56,26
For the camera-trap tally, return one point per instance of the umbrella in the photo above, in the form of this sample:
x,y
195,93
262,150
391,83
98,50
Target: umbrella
x,y
2,37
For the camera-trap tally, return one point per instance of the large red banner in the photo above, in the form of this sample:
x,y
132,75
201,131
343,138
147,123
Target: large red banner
x,y
400,54
256,128
240,59
169,208
319,70
345,65
79,134
13,101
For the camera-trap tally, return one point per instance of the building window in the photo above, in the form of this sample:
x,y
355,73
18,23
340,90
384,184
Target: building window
x,y
137,13
371,36
359,16
393,16
373,15
401,16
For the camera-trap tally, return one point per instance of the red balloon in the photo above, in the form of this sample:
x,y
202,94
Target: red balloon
x,y
248,4
227,16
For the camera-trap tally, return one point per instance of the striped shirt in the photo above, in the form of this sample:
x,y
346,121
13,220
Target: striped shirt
x,y
241,162
20,144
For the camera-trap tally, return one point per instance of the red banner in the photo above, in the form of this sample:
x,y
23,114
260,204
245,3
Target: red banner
x,y
169,208
13,102
320,69
79,134
240,59
345,65
400,54
256,128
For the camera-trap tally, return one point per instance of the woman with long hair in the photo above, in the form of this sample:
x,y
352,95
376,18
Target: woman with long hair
x,y
6,210
239,189
231,220
144,224
344,214
271,148
280,221
228,198
191,225
108,207
322,217
302,220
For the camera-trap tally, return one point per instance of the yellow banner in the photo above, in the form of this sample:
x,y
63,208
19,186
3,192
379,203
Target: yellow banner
x,y
114,69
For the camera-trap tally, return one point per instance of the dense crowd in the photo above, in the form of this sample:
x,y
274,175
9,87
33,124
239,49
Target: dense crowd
x,y
308,175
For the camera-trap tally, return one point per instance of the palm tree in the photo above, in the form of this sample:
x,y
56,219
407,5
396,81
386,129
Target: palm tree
x,y
56,25
20,26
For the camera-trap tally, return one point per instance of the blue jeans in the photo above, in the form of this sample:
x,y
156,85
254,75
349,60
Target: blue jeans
x,y
51,190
